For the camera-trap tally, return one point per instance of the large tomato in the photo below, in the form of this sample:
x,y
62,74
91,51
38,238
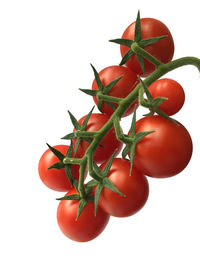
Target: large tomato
x,y
123,87
108,144
135,188
171,90
87,227
163,49
55,179
165,152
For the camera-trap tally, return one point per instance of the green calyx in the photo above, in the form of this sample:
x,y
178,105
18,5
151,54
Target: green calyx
x,y
136,46
62,163
132,141
152,103
80,133
102,93
82,200
102,182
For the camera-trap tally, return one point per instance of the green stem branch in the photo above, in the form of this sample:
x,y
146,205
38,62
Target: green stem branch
x,y
109,98
81,187
91,168
119,133
138,50
85,134
68,160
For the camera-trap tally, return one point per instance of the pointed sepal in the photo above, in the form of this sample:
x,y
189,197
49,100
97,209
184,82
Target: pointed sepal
x,y
70,197
137,32
69,136
90,92
84,124
126,57
108,87
108,184
81,206
146,42
98,191
122,41
57,153
74,121
97,78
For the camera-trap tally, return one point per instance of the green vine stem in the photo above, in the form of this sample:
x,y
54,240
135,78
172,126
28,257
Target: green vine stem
x,y
140,51
85,133
82,170
161,69
109,98
68,160
119,132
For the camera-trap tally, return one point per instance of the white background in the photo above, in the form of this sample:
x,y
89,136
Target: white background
x,y
46,48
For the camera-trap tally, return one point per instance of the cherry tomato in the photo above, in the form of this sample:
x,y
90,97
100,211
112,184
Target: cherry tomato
x,y
55,179
165,152
163,49
171,90
87,227
135,188
123,87
108,144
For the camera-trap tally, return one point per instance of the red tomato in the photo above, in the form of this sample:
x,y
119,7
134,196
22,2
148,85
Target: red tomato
x,y
122,89
165,152
109,143
55,179
170,89
135,188
87,227
163,49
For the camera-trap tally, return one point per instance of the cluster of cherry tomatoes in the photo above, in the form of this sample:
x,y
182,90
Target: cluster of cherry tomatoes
x,y
164,152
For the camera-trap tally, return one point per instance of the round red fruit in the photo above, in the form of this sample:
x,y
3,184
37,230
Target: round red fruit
x,y
171,90
163,49
165,152
134,186
122,89
87,226
55,179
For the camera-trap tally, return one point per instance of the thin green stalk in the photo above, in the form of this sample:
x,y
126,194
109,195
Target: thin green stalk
x,y
91,168
68,160
81,187
119,132
85,134
109,98
140,51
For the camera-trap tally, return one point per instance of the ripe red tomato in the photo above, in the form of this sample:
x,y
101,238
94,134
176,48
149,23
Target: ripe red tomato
x,y
170,89
87,227
108,144
135,188
55,179
163,49
123,87
165,152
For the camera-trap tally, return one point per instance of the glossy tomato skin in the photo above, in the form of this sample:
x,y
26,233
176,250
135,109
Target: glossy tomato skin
x,y
165,152
124,86
135,188
55,179
87,227
163,49
170,89
109,143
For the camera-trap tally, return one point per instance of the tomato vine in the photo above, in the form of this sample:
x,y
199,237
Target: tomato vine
x,y
91,140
